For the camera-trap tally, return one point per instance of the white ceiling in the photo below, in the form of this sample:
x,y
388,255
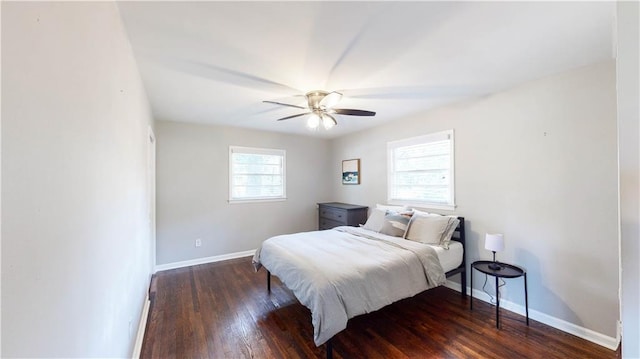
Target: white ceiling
x,y
215,62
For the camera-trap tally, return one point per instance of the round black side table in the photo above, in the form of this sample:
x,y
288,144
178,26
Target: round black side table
x,y
507,271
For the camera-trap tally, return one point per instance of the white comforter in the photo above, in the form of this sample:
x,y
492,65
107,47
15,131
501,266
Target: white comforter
x,y
348,271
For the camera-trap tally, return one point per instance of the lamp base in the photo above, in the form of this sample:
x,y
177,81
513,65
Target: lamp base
x,y
495,266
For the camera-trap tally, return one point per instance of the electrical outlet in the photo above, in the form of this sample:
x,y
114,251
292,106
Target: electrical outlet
x,y
198,242
130,328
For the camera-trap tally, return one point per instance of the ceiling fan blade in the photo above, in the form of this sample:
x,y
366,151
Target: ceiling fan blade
x,y
292,116
417,92
285,104
351,112
229,76
330,100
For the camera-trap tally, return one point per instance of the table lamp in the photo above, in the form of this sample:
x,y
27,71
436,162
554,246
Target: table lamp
x,y
494,243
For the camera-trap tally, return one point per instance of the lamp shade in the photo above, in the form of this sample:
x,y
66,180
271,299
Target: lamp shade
x,y
494,242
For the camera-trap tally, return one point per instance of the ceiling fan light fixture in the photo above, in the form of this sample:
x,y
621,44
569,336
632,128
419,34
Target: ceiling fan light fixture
x,y
328,121
313,122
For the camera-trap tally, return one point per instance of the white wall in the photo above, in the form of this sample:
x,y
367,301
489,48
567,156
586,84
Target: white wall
x,y
0,191
537,163
193,190
75,241
628,76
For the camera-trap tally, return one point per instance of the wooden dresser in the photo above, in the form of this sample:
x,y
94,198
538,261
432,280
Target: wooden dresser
x,y
335,214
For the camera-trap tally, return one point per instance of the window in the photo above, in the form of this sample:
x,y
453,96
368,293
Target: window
x,y
421,171
256,174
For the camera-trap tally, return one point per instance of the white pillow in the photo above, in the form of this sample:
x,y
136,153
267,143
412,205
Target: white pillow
x,y
392,208
428,229
448,233
375,220
423,213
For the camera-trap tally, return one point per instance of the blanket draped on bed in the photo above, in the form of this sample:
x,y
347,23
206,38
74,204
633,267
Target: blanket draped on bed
x,y
347,271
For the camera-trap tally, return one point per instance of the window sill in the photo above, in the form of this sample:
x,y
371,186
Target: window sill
x,y
417,205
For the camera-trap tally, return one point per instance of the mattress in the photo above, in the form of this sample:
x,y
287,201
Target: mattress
x,y
449,258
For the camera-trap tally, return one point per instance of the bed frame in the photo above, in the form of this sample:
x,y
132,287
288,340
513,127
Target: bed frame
x,y
458,235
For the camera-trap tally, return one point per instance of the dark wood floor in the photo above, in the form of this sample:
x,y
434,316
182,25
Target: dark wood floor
x,y
223,310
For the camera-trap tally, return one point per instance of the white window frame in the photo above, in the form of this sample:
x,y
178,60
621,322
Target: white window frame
x,y
258,151
433,137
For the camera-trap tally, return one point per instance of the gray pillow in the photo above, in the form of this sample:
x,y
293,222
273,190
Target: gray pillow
x,y
396,224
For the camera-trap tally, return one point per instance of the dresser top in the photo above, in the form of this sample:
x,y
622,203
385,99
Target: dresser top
x,y
342,205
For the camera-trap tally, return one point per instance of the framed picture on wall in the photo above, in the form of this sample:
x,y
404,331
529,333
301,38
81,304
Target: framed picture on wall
x,y
351,171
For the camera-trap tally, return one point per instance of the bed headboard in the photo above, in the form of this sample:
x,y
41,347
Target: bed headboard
x,y
459,234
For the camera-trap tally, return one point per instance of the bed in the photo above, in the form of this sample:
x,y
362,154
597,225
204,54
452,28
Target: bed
x,y
348,271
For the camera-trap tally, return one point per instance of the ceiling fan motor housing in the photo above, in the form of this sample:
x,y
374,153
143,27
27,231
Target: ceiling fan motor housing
x,y
314,98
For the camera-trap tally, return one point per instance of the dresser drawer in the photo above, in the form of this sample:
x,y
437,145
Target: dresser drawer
x,y
328,224
336,214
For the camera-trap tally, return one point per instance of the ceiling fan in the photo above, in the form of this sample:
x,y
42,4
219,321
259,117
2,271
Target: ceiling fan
x,y
320,107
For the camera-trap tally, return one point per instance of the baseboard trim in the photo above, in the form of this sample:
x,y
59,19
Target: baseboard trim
x,y
584,333
205,260
142,326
